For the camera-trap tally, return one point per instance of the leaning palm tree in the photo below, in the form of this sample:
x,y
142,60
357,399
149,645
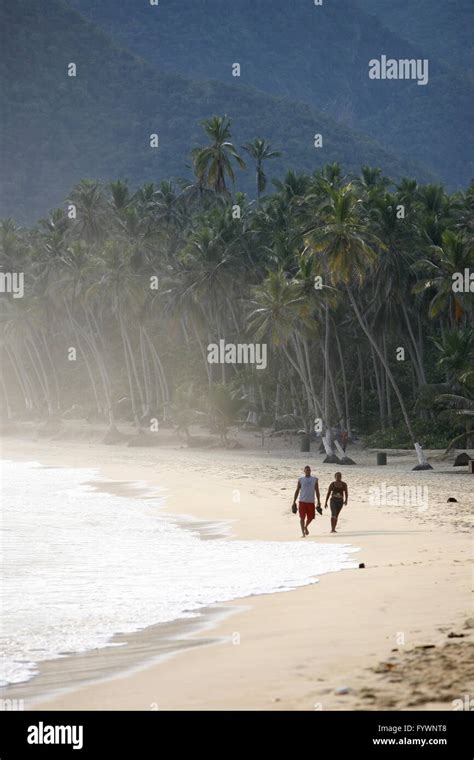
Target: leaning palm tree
x,y
342,239
260,151
277,314
213,163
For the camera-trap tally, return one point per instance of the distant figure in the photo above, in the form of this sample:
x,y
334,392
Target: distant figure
x,y
339,494
307,487
344,438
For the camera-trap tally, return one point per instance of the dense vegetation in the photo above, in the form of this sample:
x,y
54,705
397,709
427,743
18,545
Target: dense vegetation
x,y
319,56
58,129
334,272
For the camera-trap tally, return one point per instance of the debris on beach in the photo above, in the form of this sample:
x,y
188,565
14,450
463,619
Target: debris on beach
x,y
342,690
462,460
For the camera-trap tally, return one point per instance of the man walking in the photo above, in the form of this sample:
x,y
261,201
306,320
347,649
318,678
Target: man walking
x,y
307,487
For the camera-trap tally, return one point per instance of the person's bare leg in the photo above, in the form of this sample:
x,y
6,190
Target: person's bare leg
x,y
303,529
333,524
307,523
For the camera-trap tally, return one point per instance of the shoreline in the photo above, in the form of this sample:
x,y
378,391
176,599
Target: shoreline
x,y
263,620
128,653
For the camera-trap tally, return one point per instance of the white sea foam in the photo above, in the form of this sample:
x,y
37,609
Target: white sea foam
x,y
78,566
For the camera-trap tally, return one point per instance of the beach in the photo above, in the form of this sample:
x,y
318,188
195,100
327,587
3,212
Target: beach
x,y
395,634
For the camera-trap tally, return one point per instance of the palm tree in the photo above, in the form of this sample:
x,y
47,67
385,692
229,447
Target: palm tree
x,y
394,277
260,151
213,163
119,289
460,410
277,314
372,181
88,285
453,256
121,197
91,210
456,356
342,239
315,308
331,174
407,191
206,278
12,248
457,361
433,207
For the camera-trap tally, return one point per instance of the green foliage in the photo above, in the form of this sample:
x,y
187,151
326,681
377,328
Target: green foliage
x,y
430,435
321,271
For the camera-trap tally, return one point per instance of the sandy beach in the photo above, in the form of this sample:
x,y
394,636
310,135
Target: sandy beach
x,y
396,634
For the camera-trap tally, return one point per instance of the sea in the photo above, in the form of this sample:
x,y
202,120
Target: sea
x,y
80,565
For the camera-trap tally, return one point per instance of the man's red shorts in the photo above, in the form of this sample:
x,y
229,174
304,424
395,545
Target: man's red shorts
x,y
307,509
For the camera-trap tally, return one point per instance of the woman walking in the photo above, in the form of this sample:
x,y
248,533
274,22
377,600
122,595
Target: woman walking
x,y
339,494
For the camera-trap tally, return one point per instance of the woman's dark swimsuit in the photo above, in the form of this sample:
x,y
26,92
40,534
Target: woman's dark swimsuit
x,y
337,500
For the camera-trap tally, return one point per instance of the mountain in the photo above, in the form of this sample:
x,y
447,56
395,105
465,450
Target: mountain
x,y
319,55
58,129
443,29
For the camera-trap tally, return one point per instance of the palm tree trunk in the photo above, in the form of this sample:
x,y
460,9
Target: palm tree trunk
x,y
336,399
420,370
146,374
39,368
376,348
29,403
77,338
134,367
300,374
305,375
53,368
90,338
4,386
362,383
128,368
344,383
276,406
89,370
326,366
314,395
297,406
159,371
387,384
379,387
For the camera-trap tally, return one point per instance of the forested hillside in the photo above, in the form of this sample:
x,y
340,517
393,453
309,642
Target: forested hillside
x,y
59,129
320,55
443,29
